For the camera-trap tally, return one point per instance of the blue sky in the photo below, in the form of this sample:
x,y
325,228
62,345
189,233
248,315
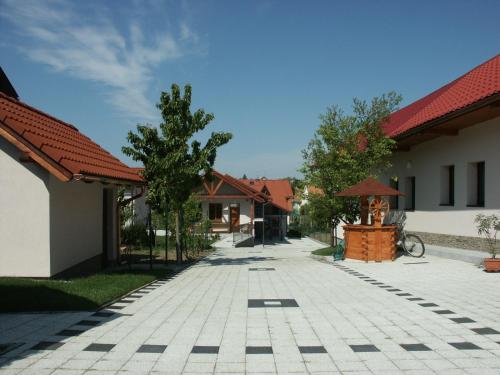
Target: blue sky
x,y
266,69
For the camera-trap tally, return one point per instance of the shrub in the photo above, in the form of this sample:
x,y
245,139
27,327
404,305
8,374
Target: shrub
x,y
135,235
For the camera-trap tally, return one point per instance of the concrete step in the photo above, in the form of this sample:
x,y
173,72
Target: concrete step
x,y
470,256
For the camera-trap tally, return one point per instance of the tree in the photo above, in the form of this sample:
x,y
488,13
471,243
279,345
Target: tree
x,y
174,163
345,150
244,176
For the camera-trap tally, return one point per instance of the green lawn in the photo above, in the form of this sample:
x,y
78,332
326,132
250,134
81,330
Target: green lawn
x,y
84,293
326,251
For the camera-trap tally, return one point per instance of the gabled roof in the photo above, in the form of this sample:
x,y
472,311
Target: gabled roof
x,y
368,187
258,196
280,191
478,84
58,146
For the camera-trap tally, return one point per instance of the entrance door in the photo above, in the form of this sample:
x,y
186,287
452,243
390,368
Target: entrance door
x,y
234,217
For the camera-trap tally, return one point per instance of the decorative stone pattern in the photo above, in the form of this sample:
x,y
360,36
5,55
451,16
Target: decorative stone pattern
x,y
458,242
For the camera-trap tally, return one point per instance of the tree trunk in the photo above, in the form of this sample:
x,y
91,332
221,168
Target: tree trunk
x,y
178,248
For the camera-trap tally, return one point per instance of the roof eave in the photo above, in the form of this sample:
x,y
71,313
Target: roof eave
x,y
489,100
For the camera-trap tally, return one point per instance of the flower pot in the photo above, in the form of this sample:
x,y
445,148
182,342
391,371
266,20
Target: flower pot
x,y
492,265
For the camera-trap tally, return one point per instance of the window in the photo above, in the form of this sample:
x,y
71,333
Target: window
x,y
215,211
447,185
410,193
475,184
394,200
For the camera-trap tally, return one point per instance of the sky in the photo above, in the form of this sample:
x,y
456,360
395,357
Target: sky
x,y
266,69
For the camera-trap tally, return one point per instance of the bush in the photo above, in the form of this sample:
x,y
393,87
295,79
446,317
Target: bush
x,y
294,233
135,235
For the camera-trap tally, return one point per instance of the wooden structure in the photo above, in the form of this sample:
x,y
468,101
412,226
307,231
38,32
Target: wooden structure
x,y
370,241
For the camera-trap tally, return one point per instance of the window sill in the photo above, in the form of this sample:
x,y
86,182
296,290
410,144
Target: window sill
x,y
476,205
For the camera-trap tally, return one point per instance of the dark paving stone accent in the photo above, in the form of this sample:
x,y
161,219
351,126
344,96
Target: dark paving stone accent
x,y
394,290
463,320
205,350
262,269
486,331
99,347
403,294
141,292
7,347
364,348
126,301
428,304
312,349
103,314
134,296
47,345
464,345
416,263
70,332
443,312
415,347
272,303
370,280
152,348
364,277
385,286
377,283
415,299
259,350
91,323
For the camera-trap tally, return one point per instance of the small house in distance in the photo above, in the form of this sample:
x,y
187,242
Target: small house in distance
x,y
58,194
256,207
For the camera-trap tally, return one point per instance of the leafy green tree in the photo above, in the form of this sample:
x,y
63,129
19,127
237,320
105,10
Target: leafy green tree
x,y
346,149
174,163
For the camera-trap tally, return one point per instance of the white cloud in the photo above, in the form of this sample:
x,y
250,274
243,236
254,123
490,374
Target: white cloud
x,y
93,48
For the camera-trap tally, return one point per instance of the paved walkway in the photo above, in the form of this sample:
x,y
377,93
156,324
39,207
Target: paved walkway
x,y
277,310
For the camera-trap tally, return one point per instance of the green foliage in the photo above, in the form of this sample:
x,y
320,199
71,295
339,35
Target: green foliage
x,y
126,211
174,162
135,235
488,226
345,150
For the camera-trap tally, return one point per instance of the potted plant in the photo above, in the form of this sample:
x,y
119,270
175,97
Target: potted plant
x,y
488,227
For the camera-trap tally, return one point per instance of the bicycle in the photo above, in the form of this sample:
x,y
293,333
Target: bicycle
x,y
410,243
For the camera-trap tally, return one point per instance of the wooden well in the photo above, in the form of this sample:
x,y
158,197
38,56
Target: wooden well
x,y
370,243
374,241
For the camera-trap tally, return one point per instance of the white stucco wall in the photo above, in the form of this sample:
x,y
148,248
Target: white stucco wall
x,y
245,209
76,222
24,216
425,161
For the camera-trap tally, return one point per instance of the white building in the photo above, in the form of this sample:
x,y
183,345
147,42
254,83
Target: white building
x,y
58,190
448,157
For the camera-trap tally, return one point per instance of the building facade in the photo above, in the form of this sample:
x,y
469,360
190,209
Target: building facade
x,y
447,160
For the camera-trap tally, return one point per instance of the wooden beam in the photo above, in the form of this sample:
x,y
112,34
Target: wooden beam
x,y
209,191
217,187
234,196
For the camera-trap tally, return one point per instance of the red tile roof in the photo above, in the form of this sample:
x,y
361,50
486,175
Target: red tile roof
x,y
280,191
474,86
369,187
58,144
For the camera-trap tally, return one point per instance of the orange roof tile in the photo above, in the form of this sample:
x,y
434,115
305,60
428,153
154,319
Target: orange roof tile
x,y
474,86
280,191
59,144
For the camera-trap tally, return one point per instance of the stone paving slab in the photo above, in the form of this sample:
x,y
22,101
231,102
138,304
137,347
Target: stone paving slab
x,y
276,310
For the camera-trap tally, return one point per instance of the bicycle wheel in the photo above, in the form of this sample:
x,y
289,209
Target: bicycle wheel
x,y
413,245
